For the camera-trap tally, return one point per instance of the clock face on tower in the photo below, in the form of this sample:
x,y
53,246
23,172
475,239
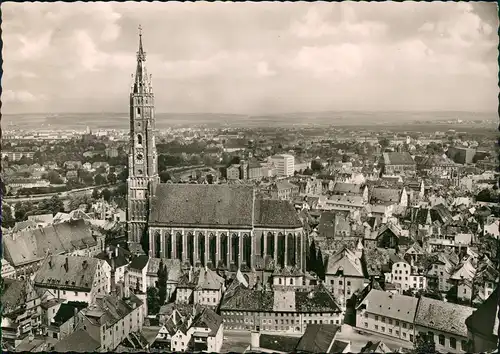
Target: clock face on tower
x,y
139,157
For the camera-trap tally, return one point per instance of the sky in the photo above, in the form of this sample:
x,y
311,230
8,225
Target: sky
x,y
252,58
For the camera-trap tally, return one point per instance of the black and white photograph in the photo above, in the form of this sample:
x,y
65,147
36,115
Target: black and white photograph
x,y
250,177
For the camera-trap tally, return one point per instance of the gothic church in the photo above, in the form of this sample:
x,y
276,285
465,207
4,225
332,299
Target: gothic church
x,y
223,227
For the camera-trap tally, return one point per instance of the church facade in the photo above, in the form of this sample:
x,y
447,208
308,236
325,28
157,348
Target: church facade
x,y
223,227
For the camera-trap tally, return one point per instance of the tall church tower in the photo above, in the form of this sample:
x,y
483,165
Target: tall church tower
x,y
142,163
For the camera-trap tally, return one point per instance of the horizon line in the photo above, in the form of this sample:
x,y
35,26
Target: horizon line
x,y
261,114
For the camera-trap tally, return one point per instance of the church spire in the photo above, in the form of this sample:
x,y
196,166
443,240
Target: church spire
x,y
142,83
141,55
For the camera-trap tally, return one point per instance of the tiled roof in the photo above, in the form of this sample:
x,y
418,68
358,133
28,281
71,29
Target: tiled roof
x,y
397,158
346,261
283,185
399,307
67,311
79,341
242,299
223,205
326,227
288,271
436,160
79,274
122,259
347,188
31,245
201,279
208,319
443,316
278,343
248,300
377,347
139,262
173,267
375,259
219,205
276,213
317,300
21,225
317,338
338,346
14,294
385,195
109,309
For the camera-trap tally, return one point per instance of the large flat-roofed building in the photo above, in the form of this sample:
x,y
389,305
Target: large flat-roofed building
x,y
284,165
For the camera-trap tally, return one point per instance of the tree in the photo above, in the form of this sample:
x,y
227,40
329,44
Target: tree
x,y
106,194
8,220
120,190
153,301
162,282
311,262
123,175
424,345
345,158
95,194
484,196
111,178
75,202
320,265
316,165
164,176
54,178
53,205
99,180
22,210
384,143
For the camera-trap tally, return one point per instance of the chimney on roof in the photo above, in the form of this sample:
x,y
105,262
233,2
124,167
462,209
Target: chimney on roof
x,y
50,261
66,265
116,250
190,274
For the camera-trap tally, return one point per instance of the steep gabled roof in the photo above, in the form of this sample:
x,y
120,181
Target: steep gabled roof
x,y
278,343
208,319
34,244
14,294
317,338
79,341
219,205
222,205
346,262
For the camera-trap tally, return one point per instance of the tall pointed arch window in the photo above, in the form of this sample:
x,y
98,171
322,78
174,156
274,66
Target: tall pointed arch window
x,y
139,139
